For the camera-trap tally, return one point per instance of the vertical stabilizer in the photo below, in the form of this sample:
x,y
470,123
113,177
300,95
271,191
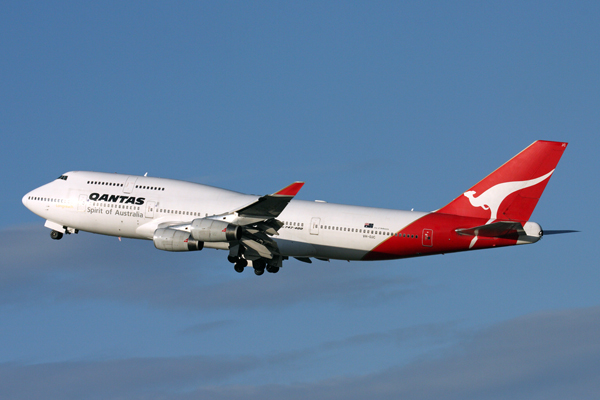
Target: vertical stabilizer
x,y
511,192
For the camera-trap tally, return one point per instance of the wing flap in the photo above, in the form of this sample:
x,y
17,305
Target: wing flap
x,y
261,249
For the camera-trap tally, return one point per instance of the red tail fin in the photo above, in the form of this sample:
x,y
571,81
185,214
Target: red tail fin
x,y
511,192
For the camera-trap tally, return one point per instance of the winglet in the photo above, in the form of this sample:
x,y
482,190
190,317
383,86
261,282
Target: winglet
x,y
290,190
271,205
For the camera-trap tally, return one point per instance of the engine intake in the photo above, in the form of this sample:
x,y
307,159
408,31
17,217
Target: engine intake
x,y
173,240
209,230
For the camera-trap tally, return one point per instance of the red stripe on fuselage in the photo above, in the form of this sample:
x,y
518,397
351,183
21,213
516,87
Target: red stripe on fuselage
x,y
444,238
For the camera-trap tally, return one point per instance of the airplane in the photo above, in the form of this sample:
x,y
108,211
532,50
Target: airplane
x,y
263,231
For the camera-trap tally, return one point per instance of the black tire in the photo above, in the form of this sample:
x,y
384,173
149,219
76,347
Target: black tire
x,y
232,259
259,272
272,270
56,235
238,268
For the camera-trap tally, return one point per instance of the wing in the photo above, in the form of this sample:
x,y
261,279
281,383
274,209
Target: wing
x,y
259,223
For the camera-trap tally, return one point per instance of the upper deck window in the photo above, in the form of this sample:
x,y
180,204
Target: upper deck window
x,y
63,177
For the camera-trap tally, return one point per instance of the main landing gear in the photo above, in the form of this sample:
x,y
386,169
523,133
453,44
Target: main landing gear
x,y
272,269
259,265
239,263
56,235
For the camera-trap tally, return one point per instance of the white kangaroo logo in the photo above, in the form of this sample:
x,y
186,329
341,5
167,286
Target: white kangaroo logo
x,y
492,198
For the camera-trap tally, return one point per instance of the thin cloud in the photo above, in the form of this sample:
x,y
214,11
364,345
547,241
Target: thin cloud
x,y
155,378
115,379
84,267
431,333
542,356
553,355
206,326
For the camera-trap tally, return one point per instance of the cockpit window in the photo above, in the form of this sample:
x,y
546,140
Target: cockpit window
x,y
63,177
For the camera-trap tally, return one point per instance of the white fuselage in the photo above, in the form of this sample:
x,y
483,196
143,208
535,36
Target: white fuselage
x,y
135,206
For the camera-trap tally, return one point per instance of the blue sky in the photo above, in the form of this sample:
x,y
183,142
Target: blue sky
x,y
388,104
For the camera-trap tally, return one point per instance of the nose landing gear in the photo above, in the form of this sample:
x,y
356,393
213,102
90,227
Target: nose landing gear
x,y
56,235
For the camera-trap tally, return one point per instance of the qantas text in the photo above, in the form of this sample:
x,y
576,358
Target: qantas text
x,y
113,198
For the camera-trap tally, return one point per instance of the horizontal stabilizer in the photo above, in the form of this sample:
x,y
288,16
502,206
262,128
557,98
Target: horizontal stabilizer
x,y
558,232
496,229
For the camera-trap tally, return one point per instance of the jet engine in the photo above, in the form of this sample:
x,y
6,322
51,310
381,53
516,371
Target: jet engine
x,y
210,230
174,240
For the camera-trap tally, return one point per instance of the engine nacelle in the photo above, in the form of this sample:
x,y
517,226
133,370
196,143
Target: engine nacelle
x,y
174,240
210,230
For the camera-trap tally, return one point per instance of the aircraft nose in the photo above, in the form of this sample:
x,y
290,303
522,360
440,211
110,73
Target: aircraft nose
x,y
25,199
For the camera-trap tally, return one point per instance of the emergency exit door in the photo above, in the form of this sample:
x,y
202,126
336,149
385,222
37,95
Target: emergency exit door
x,y
150,206
427,237
314,226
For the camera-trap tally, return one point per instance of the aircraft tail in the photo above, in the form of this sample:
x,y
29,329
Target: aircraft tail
x,y
511,192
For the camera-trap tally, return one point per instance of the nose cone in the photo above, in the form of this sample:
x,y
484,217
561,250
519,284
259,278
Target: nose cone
x,y
25,200
28,199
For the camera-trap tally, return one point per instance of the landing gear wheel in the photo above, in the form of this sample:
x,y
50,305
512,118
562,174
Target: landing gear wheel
x,y
56,235
272,270
238,268
240,265
232,259
259,266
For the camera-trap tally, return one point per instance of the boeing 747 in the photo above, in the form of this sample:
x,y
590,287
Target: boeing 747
x,y
263,231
